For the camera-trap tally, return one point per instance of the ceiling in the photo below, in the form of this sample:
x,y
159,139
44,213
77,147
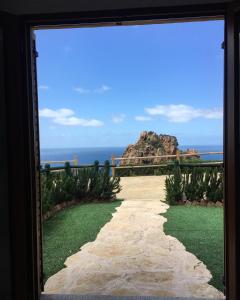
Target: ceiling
x,y
56,6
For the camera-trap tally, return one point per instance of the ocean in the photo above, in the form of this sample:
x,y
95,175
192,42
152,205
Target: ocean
x,y
89,155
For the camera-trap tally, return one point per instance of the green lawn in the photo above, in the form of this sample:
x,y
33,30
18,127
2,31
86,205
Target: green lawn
x,y
200,229
68,230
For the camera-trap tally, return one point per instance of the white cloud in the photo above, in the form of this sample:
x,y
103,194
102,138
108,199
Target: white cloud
x,y
142,118
214,114
65,116
180,113
81,90
59,113
118,118
102,89
43,87
74,121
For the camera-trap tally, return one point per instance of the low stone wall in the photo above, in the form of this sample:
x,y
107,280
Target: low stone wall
x,y
59,207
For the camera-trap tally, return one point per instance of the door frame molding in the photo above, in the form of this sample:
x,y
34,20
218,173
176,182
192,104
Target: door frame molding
x,y
26,284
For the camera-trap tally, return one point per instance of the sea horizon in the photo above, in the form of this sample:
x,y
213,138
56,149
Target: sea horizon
x,y
87,155
87,147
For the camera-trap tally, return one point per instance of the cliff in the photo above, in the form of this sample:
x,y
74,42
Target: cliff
x,y
150,144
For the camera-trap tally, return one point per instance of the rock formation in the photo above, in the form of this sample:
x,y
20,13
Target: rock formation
x,y
150,144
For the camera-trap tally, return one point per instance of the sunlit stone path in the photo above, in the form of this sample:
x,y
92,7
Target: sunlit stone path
x,y
132,256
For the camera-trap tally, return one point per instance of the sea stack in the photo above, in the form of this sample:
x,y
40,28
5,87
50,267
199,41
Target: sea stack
x,y
150,144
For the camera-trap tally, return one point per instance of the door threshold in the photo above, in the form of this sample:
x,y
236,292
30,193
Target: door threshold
x,y
106,297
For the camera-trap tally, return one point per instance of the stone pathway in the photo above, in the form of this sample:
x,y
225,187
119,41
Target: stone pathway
x,y
132,256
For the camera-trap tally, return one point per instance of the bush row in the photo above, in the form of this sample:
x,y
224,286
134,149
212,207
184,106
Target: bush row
x,y
126,172
194,184
85,185
163,169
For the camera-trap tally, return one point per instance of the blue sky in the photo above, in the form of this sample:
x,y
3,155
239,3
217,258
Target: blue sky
x,y
103,86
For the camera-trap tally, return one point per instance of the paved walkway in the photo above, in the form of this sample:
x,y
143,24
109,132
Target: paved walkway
x,y
132,256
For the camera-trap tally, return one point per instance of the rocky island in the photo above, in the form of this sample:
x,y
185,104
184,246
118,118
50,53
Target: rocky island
x,y
150,144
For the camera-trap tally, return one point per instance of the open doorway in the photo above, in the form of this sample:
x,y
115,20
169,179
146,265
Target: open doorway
x,y
138,79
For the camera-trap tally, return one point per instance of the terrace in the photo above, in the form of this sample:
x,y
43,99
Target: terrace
x,y
96,261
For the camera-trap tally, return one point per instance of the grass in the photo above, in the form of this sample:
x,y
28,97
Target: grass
x,y
68,230
200,229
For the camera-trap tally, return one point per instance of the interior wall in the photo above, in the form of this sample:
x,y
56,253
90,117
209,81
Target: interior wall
x,y
57,6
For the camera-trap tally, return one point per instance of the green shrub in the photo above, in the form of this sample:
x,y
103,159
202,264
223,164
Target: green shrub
x,y
86,185
110,185
173,185
214,183
156,170
195,183
46,189
45,194
159,169
82,178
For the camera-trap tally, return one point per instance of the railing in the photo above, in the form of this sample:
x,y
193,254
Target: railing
x,y
57,162
177,156
53,169
114,166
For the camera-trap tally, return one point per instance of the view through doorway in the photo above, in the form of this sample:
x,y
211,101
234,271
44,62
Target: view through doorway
x,y
158,88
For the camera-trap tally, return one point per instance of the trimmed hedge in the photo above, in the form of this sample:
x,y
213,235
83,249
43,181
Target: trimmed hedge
x,y
89,184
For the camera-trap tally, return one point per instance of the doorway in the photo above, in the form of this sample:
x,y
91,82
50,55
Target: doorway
x,y
169,111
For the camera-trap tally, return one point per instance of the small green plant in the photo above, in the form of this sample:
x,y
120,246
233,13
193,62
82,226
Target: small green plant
x,y
193,183
45,194
214,190
173,185
111,185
